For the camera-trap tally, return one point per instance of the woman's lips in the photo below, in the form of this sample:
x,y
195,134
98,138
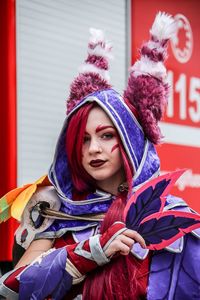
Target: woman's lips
x,y
97,163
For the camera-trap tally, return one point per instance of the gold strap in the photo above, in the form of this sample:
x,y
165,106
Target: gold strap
x,y
51,213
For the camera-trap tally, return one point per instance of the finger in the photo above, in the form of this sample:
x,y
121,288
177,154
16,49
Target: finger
x,y
116,247
126,240
136,236
124,249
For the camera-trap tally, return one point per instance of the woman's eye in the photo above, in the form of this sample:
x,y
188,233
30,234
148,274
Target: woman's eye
x,y
107,136
86,139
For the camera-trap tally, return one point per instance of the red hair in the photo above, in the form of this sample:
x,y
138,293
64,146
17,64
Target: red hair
x,y
123,278
105,282
82,181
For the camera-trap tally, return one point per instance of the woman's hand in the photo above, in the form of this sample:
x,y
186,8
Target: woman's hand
x,y
123,243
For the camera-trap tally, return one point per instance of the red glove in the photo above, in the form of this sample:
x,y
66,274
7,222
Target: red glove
x,y
89,254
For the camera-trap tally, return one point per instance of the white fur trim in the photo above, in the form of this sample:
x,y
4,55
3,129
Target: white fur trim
x,y
102,52
164,26
145,66
154,45
85,68
97,35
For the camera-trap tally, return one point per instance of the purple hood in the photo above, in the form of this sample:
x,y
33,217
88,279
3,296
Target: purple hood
x,y
140,151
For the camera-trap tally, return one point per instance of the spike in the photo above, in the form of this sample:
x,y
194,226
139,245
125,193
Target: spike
x,y
164,27
93,73
147,89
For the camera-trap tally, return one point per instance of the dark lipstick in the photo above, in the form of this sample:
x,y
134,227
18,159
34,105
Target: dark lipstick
x,y
97,163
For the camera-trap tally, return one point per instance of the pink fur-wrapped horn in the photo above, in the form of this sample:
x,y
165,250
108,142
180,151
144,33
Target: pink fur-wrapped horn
x,y
93,74
147,89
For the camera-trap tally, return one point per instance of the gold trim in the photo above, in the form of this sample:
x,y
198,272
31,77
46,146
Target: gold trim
x,y
51,213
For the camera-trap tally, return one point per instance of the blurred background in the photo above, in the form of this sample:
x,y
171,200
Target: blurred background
x,y
42,44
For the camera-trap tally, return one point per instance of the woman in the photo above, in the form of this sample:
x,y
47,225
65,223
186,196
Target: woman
x,y
104,155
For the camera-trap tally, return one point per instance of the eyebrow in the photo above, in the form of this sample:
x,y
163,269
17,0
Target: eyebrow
x,y
101,127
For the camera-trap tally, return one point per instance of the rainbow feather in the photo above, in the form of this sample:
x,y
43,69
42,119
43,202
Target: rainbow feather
x,y
13,203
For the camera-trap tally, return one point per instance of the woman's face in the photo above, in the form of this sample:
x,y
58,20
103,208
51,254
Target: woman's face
x,y
101,156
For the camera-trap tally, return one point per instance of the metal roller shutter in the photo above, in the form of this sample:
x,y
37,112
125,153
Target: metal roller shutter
x,y
51,44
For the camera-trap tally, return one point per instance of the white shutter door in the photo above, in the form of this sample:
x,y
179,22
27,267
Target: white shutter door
x,y
52,40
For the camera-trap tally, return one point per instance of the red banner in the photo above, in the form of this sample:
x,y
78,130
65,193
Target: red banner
x,y
181,124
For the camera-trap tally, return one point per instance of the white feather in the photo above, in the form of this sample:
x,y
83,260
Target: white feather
x,y
103,49
97,35
145,66
102,52
85,68
164,26
154,45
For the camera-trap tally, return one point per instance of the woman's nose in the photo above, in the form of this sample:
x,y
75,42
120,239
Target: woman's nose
x,y
95,146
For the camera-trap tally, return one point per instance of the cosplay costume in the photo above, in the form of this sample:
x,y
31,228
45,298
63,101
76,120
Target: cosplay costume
x,y
173,270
